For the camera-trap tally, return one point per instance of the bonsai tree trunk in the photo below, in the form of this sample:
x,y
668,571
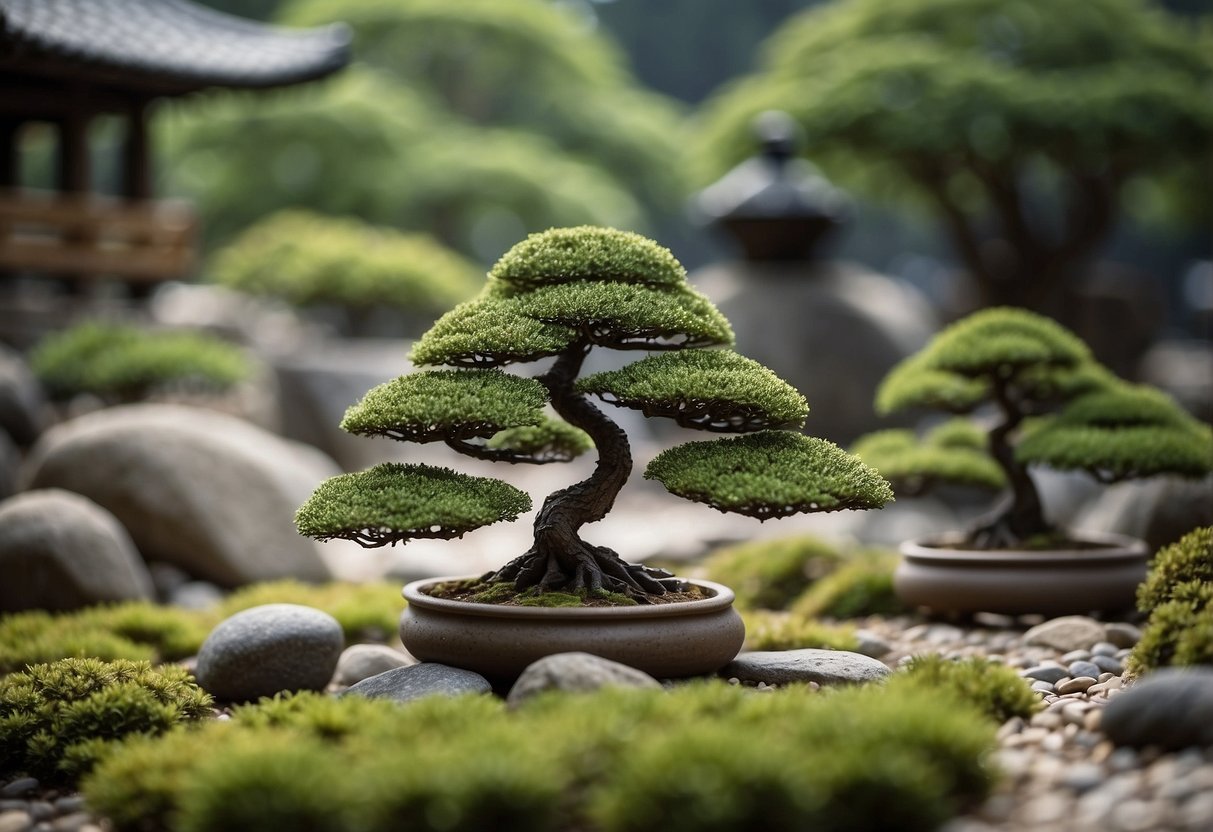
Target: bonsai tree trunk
x,y
559,558
1021,517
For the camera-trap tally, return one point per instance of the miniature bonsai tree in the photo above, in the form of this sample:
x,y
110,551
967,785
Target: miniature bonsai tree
x,y
558,295
1053,405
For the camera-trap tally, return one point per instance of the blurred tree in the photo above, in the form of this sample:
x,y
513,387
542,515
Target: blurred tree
x,y
366,146
1025,125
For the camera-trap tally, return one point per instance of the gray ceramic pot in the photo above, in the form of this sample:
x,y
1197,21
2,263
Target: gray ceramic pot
x,y
1051,582
664,640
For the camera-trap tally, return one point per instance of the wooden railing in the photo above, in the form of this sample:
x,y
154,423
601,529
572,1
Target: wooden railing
x,y
87,236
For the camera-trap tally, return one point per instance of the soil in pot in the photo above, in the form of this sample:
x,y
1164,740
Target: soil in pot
x,y
503,593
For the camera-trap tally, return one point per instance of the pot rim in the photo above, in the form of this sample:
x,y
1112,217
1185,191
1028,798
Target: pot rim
x,y
721,599
1115,548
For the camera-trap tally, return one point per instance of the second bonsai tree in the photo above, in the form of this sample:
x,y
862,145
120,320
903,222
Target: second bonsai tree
x,y
558,294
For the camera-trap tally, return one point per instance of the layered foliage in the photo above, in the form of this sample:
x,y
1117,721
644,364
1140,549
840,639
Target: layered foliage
x,y
57,719
769,474
559,294
126,363
394,502
306,259
982,110
716,390
714,757
1054,404
952,452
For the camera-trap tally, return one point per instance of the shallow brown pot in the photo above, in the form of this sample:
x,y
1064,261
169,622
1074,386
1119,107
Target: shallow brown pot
x,y
664,640
1051,582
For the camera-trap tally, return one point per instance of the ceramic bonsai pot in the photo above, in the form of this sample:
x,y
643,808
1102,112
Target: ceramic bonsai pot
x,y
1101,574
664,640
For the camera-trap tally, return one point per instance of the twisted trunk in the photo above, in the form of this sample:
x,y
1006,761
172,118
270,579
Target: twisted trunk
x,y
559,558
1020,517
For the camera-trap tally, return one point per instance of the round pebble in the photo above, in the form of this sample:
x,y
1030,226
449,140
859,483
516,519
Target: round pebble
x,y
269,649
1076,685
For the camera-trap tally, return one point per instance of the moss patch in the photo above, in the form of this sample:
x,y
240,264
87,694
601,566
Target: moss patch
x,y
770,574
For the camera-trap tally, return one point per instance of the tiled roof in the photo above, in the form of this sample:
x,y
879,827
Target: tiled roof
x,y
168,45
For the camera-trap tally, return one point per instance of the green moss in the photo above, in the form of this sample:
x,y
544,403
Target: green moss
x,y
307,258
710,389
770,574
393,502
628,315
550,440
489,332
702,756
1179,631
862,587
1188,559
1122,433
994,689
787,631
447,404
56,719
953,453
134,630
562,255
127,363
769,474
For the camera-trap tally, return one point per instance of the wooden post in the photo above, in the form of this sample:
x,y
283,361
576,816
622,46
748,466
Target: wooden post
x,y
74,174
10,153
136,158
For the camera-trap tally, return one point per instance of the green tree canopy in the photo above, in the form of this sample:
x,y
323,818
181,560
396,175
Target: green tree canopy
x,y
1024,125
1025,367
559,294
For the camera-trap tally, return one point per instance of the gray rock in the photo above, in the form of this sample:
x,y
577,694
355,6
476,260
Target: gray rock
x,y
1159,511
362,661
18,787
1107,664
578,672
1076,685
872,645
1104,648
825,667
1076,656
10,466
59,551
269,649
15,820
1091,669
196,595
1122,635
405,684
1070,632
1046,673
1171,708
22,405
209,493
1043,687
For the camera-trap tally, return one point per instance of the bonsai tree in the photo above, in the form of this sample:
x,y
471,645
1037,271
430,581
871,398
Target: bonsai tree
x,y
1024,127
558,295
1052,405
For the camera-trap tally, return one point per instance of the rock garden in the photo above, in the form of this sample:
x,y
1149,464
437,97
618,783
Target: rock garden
x,y
175,653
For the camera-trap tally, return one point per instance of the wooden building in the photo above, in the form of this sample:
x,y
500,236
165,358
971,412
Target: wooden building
x,y
64,63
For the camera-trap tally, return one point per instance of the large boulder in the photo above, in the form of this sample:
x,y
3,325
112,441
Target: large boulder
x,y
209,493
59,551
22,404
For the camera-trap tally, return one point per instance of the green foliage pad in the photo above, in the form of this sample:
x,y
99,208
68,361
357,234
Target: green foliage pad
x,y
489,332
769,474
393,502
447,404
954,452
715,390
563,255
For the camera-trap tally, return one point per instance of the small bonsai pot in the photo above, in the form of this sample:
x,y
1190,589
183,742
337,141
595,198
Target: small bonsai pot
x,y
1100,573
664,640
